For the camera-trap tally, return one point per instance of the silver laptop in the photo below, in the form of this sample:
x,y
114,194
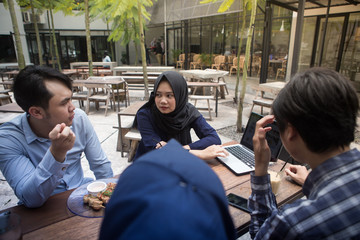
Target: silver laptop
x,y
241,156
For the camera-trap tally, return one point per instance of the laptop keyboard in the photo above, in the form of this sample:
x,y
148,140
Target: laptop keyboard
x,y
242,154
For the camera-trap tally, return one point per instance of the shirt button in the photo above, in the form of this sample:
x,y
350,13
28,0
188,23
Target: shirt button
x,y
64,168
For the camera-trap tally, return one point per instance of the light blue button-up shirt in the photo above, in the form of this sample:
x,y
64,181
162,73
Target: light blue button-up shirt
x,y
32,171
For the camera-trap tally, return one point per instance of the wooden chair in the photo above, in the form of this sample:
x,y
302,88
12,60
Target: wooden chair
x,y
196,63
281,71
181,61
98,93
235,63
219,62
80,95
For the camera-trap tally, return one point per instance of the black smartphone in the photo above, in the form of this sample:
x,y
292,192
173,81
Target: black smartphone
x,y
238,202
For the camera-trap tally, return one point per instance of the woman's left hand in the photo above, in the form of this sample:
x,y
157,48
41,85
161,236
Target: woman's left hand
x,y
210,152
160,144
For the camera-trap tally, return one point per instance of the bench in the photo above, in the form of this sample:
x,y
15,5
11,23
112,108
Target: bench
x,y
137,82
261,100
134,137
125,121
205,97
73,65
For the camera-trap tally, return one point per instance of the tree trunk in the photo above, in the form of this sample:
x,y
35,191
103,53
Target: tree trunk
x,y
41,62
136,53
239,53
88,37
51,47
19,50
247,55
54,40
111,45
143,52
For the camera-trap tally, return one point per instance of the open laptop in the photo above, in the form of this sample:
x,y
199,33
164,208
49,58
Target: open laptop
x,y
241,156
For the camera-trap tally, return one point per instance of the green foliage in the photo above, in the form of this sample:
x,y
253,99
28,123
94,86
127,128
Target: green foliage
x,y
206,59
176,53
124,18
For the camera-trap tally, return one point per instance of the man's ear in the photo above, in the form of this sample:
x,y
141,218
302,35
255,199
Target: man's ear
x,y
291,133
37,112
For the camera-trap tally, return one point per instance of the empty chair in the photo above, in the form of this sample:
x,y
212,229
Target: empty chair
x,y
196,63
181,61
281,71
219,62
98,93
235,65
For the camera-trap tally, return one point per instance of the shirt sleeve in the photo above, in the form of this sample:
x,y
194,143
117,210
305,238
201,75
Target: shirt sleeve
x,y
98,161
267,221
32,184
207,135
149,136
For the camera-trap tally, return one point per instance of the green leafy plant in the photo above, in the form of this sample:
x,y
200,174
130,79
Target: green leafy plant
x,y
175,54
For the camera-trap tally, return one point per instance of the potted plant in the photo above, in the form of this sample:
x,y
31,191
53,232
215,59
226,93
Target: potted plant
x,y
175,54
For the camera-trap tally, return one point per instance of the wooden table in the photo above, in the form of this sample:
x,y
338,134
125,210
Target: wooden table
x,y
110,80
125,124
11,107
54,221
215,85
207,75
9,111
120,70
204,74
271,87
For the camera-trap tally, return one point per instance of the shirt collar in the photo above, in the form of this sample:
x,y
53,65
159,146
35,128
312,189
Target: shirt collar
x,y
30,136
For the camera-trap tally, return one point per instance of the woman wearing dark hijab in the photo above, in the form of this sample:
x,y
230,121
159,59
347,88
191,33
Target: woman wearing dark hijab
x,y
168,114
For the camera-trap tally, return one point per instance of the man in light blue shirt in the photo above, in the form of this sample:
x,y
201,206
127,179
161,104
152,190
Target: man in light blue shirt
x,y
40,150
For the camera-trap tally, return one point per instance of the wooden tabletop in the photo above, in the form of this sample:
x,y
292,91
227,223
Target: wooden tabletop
x,y
132,109
54,221
271,87
11,107
203,74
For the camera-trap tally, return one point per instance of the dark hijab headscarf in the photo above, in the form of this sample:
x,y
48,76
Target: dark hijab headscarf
x,y
176,123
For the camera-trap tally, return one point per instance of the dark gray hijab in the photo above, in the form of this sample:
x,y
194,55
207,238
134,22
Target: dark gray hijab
x,y
177,123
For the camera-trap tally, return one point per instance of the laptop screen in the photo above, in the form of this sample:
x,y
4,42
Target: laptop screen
x,y
272,137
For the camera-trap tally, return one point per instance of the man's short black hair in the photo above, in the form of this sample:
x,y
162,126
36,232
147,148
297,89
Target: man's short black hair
x,y
322,105
29,86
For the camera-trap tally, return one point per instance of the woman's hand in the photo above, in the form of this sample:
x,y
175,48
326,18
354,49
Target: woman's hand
x,y
210,152
261,147
297,173
160,144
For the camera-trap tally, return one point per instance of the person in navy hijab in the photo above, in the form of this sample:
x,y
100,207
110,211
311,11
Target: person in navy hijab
x,y
168,114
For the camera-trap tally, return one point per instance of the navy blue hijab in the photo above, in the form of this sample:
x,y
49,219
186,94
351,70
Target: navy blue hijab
x,y
176,123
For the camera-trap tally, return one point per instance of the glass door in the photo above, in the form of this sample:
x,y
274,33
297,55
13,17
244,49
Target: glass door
x,y
330,43
174,45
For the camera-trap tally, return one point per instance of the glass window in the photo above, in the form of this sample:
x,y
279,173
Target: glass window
x,y
7,50
307,42
350,65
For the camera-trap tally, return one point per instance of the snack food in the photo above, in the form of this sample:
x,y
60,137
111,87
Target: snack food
x,y
102,198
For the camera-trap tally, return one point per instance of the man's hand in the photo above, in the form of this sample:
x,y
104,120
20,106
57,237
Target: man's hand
x,y
210,152
261,147
62,140
298,173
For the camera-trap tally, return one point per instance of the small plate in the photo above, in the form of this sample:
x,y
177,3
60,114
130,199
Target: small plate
x,y
76,205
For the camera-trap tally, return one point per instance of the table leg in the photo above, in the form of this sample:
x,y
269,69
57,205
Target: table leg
x,y
216,101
